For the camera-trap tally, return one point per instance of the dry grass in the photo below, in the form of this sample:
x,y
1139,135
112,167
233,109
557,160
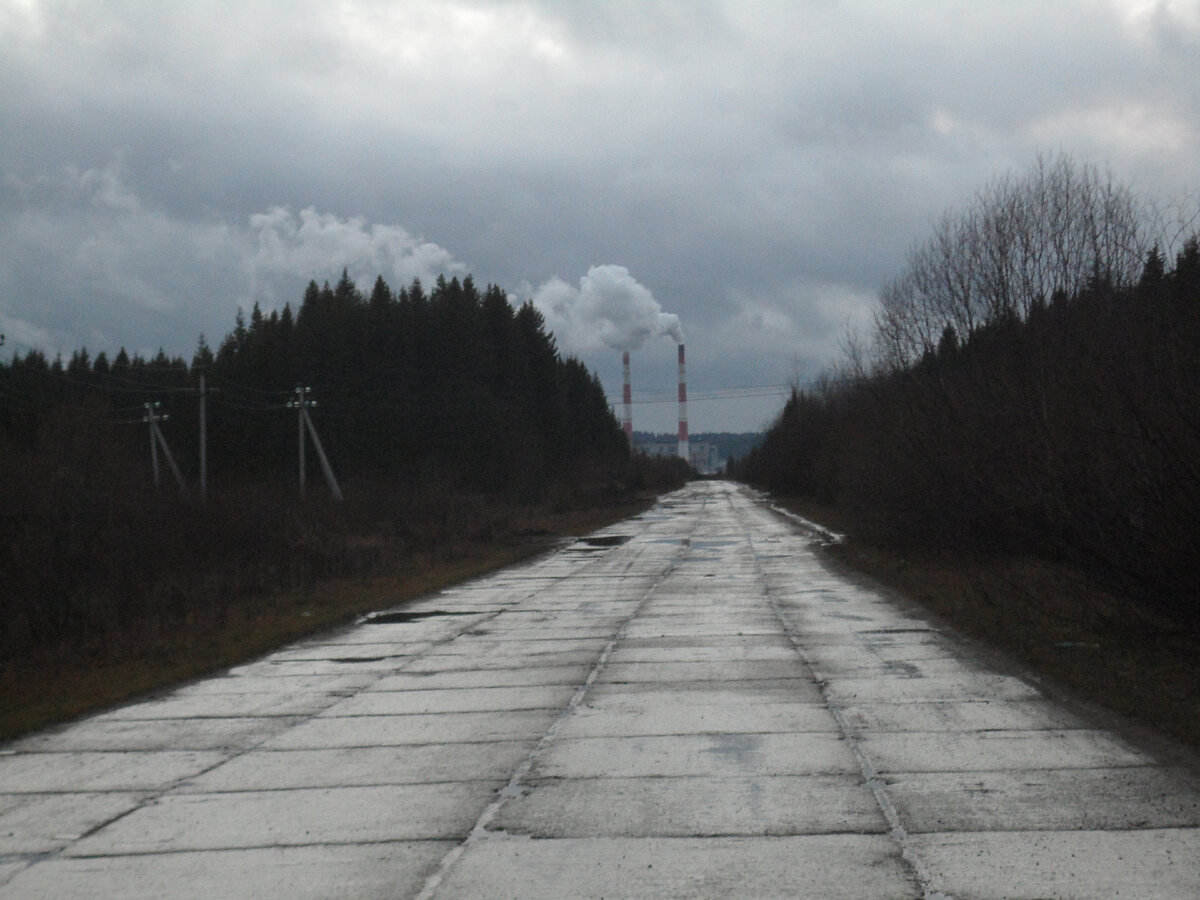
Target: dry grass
x,y
1089,642
52,687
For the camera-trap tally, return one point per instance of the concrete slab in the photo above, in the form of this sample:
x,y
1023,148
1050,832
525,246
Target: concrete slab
x,y
1046,800
487,646
362,766
449,700
341,815
909,690
380,871
793,690
10,870
690,806
785,867
267,700
88,771
465,662
368,668
697,754
692,712
483,678
716,643
982,751
868,664
274,683
105,733
392,731
659,628
45,823
338,651
715,671
628,652
1148,865
969,716
511,627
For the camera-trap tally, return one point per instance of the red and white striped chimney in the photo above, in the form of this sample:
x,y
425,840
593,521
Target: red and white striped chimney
x,y
627,396
684,450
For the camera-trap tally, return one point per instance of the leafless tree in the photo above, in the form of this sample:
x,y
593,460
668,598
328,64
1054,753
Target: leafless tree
x,y
1055,230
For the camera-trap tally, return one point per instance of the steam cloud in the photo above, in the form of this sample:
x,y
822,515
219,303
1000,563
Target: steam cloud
x,y
610,308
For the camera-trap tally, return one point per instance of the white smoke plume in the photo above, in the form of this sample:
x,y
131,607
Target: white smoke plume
x,y
610,308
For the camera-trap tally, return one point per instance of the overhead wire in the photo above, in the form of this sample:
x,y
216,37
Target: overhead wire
x,y
733,393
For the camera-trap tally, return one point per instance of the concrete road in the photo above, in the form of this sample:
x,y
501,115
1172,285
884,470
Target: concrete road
x,y
689,705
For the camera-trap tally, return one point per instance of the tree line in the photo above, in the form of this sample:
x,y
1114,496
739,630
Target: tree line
x,y
437,408
1031,386
453,384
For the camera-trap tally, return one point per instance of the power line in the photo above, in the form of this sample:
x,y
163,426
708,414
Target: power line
x,y
733,393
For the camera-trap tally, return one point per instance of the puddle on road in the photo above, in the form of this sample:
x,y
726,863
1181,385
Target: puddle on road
x,y
898,631
606,540
902,669
400,617
598,543
360,659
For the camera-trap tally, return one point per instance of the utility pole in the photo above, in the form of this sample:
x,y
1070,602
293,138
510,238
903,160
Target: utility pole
x,y
153,417
301,404
203,440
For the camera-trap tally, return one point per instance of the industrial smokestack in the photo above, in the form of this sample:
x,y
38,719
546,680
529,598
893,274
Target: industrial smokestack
x,y
627,396
684,450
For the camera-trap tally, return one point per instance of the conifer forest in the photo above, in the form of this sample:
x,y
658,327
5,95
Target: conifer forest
x,y
434,408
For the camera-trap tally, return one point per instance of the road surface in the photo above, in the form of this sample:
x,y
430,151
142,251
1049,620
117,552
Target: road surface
x,y
688,705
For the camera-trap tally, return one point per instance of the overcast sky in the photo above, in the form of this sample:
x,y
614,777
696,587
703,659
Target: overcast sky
x,y
758,169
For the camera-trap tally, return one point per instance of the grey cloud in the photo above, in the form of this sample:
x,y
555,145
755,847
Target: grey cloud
x,y
114,263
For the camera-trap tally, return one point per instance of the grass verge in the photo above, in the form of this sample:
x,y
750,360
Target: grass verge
x,y
1081,639
53,687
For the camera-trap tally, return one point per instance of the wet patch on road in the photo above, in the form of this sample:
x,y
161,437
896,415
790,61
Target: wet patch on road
x,y
401,617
